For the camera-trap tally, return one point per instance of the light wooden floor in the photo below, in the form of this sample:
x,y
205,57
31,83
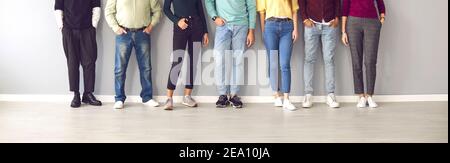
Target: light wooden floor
x,y
258,123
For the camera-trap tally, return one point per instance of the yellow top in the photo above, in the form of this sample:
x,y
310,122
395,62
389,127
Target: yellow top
x,y
277,8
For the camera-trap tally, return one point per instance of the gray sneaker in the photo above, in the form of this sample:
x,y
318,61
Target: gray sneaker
x,y
169,104
189,102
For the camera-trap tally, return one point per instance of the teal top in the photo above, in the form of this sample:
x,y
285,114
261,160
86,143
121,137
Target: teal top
x,y
235,12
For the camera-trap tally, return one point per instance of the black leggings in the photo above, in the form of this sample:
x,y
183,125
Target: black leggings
x,y
192,37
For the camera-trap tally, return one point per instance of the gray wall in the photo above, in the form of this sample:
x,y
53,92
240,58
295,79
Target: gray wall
x,y
413,55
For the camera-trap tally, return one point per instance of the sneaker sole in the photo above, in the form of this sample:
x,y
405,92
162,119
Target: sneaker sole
x,y
236,106
191,106
221,106
333,107
290,109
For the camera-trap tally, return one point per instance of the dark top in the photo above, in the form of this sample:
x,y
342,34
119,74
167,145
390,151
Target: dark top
x,y
183,9
363,8
319,10
77,14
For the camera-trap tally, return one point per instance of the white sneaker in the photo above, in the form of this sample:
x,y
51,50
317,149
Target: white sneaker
x,y
118,105
152,103
278,102
307,103
362,103
371,102
289,106
331,101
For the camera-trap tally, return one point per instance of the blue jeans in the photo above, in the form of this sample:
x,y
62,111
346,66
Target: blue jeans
x,y
279,43
315,37
124,45
229,50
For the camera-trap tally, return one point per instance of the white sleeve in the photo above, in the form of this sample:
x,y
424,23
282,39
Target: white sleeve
x,y
59,18
96,12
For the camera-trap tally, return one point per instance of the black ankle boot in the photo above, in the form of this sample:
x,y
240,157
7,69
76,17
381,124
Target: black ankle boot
x,y
89,98
76,102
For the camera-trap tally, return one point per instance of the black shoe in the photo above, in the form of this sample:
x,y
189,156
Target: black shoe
x,y
89,98
76,102
222,102
236,102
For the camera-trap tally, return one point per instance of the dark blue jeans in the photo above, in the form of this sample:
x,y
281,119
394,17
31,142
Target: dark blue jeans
x,y
124,45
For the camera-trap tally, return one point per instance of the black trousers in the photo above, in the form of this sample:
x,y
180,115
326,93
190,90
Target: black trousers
x,y
80,47
189,39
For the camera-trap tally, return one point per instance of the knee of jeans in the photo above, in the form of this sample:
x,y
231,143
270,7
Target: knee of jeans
x,y
328,60
310,59
285,67
119,71
145,69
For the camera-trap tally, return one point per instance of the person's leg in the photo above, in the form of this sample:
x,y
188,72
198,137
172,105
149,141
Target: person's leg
x,y
194,50
123,52
237,67
195,46
272,42
72,50
221,46
238,46
189,85
329,41
286,45
88,58
312,46
88,53
180,40
371,43
143,56
355,36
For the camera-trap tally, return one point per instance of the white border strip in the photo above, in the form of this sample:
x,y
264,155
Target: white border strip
x,y
213,99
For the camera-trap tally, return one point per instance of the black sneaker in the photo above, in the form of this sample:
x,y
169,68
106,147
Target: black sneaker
x,y
222,102
236,102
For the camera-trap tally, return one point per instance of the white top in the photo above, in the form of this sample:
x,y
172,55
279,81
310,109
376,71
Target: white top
x,y
322,23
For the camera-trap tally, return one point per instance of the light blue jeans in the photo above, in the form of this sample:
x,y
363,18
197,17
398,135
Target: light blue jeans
x,y
279,43
315,37
229,50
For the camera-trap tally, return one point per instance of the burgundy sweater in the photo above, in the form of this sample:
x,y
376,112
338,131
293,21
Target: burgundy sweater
x,y
363,8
